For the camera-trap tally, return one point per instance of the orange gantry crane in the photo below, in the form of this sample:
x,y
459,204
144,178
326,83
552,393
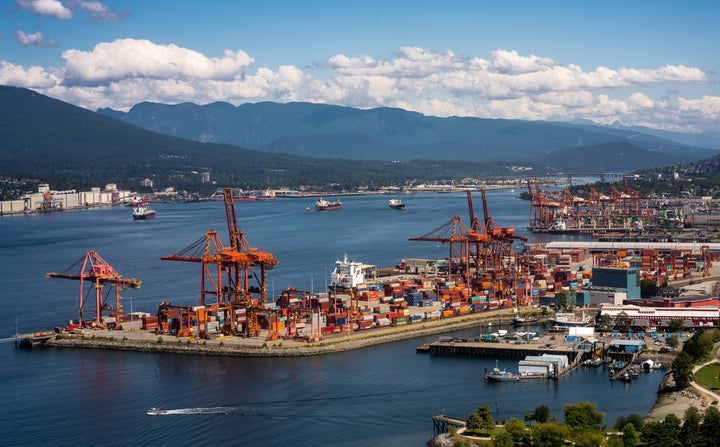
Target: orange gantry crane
x,y
455,234
96,273
229,273
482,254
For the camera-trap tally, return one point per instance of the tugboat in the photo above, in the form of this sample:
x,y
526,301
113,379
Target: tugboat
x,y
397,204
525,321
500,376
143,212
325,205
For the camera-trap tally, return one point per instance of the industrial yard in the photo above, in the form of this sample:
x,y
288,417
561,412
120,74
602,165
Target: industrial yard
x,y
484,279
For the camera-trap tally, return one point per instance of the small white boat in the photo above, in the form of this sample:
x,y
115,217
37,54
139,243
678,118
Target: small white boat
x,y
155,411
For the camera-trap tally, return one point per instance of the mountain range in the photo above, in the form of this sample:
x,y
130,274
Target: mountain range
x,y
299,144
44,139
327,131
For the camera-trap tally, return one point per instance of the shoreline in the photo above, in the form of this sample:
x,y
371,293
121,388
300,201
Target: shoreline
x,y
677,402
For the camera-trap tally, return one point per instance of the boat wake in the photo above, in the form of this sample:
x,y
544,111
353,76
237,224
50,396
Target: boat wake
x,y
270,408
200,410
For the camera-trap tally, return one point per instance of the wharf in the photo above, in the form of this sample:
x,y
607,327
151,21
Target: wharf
x,y
443,424
509,350
629,360
497,350
603,247
575,230
34,339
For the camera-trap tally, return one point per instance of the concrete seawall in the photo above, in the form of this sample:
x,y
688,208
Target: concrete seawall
x,y
219,347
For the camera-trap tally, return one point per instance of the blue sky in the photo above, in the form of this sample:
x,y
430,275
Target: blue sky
x,y
650,63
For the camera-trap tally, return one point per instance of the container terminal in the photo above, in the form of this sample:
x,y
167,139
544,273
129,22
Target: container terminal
x,y
624,216
483,275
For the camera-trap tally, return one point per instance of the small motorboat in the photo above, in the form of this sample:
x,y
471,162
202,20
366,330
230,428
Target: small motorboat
x,y
155,411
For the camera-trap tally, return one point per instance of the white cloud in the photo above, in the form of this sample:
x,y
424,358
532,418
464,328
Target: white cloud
x,y
47,8
33,77
98,11
510,62
35,39
121,73
133,58
639,100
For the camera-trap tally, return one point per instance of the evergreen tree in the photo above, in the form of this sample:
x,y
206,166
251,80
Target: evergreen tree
x,y
682,369
710,427
481,419
630,436
662,434
690,431
473,422
541,414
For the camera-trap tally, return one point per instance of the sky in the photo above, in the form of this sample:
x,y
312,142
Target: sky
x,y
653,63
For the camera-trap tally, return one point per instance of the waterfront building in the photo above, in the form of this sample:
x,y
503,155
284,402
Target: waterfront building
x,y
662,316
625,345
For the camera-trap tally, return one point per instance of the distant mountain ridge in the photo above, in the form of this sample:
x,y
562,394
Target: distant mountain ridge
x,y
46,140
328,131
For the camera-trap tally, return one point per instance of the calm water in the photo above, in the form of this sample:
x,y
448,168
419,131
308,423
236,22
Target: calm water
x,y
384,394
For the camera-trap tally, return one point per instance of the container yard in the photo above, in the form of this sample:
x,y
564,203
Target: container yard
x,y
484,274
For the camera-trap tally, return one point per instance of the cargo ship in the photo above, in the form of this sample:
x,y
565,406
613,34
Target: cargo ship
x,y
397,204
266,195
143,212
325,205
138,201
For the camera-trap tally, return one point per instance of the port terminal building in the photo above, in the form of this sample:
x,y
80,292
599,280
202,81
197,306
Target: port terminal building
x,y
662,316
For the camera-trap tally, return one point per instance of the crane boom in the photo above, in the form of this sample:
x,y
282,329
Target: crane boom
x,y
233,230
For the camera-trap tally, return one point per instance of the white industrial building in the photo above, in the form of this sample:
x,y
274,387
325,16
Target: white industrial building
x,y
661,316
49,200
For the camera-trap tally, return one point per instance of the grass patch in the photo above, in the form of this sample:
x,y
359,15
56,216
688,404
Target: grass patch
x,y
707,376
485,433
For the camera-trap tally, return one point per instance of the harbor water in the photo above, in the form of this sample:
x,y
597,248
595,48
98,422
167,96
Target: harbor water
x,y
384,394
